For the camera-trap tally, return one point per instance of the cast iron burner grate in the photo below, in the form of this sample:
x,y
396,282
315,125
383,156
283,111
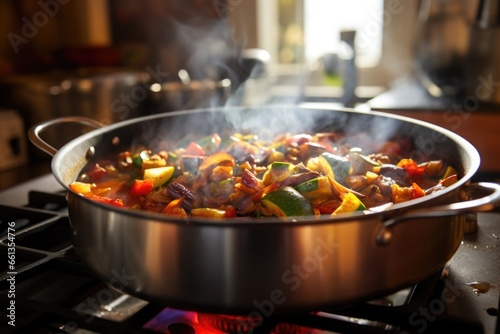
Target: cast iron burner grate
x,y
54,293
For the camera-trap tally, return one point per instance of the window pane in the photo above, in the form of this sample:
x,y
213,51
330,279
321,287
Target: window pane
x,y
324,19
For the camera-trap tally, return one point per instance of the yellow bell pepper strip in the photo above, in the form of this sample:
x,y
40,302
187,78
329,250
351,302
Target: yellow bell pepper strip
x,y
350,203
81,187
401,194
226,212
450,171
221,157
174,208
275,156
434,167
208,213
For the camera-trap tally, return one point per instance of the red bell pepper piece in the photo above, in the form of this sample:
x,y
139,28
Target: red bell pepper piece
x,y
448,181
96,173
417,192
230,211
107,200
195,149
411,167
298,139
141,187
328,207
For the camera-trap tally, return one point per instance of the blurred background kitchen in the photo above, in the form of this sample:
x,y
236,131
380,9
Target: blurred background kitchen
x,y
435,60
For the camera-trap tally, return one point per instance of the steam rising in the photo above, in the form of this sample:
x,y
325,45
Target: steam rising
x,y
207,48
268,122
209,51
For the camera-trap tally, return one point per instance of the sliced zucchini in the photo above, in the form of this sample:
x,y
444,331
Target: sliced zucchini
x,y
334,165
287,202
316,188
160,175
278,171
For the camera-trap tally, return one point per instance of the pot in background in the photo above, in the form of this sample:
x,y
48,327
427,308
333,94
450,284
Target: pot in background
x,y
95,93
107,95
189,94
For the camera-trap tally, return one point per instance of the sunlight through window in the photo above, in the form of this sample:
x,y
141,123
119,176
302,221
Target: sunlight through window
x,y
325,19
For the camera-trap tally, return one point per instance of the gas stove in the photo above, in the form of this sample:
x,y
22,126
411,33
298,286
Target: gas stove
x,y
46,289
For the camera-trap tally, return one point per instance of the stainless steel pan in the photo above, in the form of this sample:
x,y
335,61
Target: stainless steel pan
x,y
267,266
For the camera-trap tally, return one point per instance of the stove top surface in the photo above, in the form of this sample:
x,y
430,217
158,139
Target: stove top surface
x,y
48,290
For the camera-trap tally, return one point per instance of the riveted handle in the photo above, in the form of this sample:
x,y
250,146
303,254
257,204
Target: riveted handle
x,y
481,204
35,131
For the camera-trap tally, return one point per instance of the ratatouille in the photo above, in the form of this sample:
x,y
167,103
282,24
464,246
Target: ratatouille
x,y
242,175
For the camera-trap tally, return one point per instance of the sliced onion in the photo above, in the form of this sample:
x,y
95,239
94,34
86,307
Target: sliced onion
x,y
218,158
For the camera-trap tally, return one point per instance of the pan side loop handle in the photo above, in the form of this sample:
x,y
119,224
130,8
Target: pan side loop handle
x,y
35,131
485,203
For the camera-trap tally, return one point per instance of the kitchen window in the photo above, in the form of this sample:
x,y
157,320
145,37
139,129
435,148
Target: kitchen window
x,y
309,41
300,31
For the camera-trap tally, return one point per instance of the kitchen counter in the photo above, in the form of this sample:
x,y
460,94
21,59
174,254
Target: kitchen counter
x,y
33,169
468,117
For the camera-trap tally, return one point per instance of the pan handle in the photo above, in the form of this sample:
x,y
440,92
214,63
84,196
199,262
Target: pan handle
x,y
35,130
483,203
